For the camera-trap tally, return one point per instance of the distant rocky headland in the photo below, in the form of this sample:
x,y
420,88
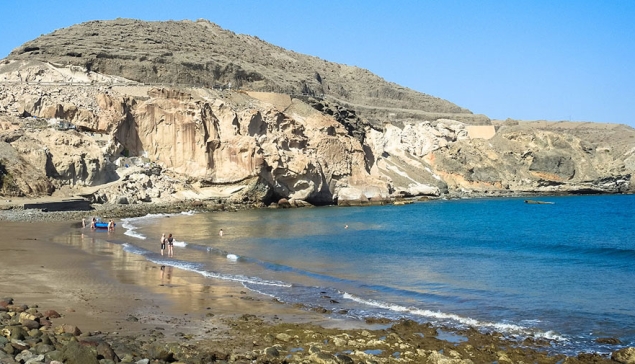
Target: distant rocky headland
x,y
129,112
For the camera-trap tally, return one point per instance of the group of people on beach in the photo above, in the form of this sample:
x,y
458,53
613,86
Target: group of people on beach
x,y
169,241
93,224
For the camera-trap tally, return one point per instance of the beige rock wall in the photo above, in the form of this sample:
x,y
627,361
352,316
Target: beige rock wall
x,y
480,131
212,141
280,101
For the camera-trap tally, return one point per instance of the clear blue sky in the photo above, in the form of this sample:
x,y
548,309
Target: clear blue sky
x,y
553,60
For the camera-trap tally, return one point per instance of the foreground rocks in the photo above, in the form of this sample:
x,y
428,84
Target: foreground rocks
x,y
29,335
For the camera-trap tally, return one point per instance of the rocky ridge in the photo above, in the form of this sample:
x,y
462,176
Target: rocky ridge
x,y
136,143
68,130
200,53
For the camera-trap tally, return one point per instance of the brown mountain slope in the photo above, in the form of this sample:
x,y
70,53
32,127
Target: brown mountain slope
x,y
203,54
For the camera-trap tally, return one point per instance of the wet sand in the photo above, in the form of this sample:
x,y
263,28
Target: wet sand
x,y
98,286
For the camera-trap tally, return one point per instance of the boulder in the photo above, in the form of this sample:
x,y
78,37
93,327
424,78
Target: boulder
x,y
323,358
271,352
104,351
74,353
624,356
51,314
30,324
14,332
160,352
69,329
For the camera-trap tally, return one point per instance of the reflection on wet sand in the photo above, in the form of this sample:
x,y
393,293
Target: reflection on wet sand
x,y
166,274
186,290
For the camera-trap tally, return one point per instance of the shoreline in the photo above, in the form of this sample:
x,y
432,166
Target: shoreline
x,y
96,286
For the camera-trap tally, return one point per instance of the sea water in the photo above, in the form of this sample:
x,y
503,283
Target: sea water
x,y
563,271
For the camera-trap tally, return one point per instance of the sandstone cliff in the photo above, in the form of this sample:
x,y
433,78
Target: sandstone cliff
x,y
67,129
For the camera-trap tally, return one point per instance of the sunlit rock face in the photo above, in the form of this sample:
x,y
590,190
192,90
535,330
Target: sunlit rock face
x,y
267,147
305,156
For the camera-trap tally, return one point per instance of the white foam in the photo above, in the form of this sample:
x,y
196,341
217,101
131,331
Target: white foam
x,y
260,292
134,234
180,244
243,279
133,249
232,257
131,229
497,326
128,224
196,267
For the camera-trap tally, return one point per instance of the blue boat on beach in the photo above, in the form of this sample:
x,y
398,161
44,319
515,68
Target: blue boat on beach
x,y
102,225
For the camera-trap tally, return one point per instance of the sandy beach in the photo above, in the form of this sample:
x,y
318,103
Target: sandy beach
x,y
120,297
98,286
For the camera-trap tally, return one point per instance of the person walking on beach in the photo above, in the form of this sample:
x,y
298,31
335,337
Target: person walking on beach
x,y
220,232
170,245
162,243
93,223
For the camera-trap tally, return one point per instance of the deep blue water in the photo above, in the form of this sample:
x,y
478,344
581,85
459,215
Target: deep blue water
x,y
564,271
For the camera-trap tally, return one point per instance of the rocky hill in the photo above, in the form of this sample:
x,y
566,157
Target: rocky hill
x,y
202,54
80,115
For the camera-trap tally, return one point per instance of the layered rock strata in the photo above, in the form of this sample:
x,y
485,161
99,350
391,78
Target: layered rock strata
x,y
200,53
66,129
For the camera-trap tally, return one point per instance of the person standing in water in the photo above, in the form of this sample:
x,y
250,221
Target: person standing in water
x,y
162,243
111,225
170,246
220,232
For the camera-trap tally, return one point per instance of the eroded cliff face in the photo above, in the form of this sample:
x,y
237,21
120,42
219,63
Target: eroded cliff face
x,y
260,149
306,156
529,161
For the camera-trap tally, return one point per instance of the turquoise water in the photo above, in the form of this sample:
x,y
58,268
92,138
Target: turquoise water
x,y
564,271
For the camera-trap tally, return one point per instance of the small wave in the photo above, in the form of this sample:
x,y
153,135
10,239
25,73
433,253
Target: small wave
x,y
243,279
232,257
134,234
145,217
496,326
180,244
129,224
134,249
131,230
197,268
205,248
256,290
